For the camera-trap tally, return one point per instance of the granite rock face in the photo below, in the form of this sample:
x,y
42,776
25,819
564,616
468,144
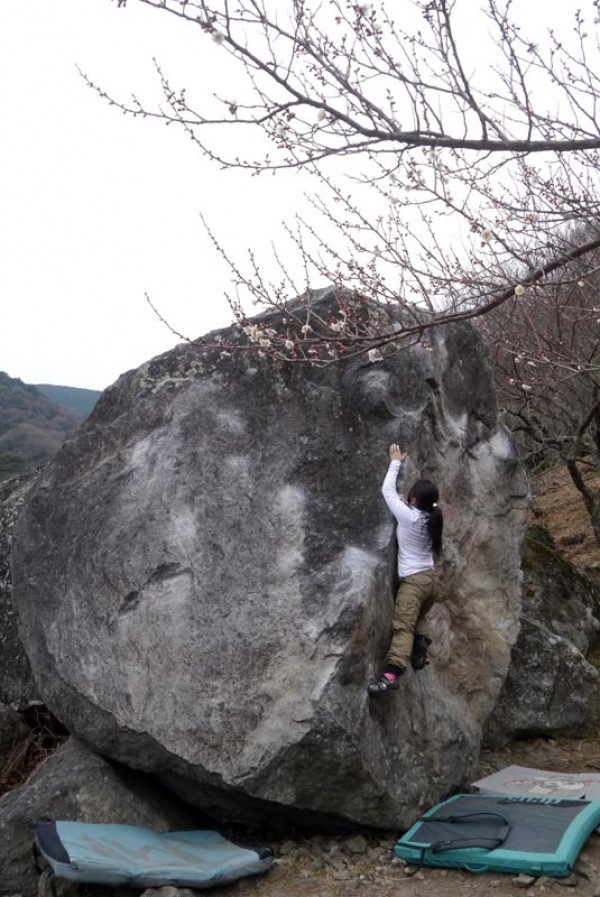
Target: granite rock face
x,y
13,733
565,600
204,578
551,689
17,685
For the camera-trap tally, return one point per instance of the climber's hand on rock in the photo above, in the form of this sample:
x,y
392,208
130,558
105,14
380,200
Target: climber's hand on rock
x,y
396,454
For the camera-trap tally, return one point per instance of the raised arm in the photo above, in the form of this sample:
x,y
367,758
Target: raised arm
x,y
388,489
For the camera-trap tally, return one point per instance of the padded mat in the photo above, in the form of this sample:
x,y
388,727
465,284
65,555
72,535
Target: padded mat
x,y
541,836
124,854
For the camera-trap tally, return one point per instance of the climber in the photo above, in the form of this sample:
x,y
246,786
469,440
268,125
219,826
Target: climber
x,y
419,532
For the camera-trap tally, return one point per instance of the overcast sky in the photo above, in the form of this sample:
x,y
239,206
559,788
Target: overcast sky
x,y
96,207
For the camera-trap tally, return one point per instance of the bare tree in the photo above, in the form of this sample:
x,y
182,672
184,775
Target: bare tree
x,y
451,155
547,357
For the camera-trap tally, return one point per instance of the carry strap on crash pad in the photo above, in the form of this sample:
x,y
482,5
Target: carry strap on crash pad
x,y
458,843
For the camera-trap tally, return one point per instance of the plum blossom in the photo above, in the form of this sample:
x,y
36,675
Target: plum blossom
x,y
217,37
252,332
374,355
289,345
519,290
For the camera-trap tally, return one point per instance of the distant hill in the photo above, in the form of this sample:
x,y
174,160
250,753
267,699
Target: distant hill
x,y
81,401
32,426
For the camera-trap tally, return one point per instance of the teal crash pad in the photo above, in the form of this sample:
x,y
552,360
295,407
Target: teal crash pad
x,y
128,855
502,833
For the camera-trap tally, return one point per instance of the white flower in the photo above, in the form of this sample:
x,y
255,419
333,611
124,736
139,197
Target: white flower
x,y
217,37
320,115
580,283
264,342
364,8
306,328
519,290
511,381
375,355
486,235
252,332
526,386
281,131
289,345
337,326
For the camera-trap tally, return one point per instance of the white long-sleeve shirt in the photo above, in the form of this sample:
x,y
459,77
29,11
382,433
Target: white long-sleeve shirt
x,y
414,543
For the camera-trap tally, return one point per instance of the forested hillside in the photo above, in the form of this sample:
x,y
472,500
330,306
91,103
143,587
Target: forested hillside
x,y
81,401
32,427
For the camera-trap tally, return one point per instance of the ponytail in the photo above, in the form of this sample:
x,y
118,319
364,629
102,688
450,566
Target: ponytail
x,y
435,526
425,494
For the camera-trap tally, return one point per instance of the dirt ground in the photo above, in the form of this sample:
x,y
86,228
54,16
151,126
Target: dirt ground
x,y
558,506
363,863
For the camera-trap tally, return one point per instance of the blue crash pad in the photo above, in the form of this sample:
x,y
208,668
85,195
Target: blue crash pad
x,y
503,833
125,854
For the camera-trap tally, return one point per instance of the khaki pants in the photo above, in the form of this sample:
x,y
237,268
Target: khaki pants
x,y
416,596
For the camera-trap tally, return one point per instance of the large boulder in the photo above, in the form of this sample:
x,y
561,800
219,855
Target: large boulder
x,y
17,685
563,598
550,689
204,576
76,785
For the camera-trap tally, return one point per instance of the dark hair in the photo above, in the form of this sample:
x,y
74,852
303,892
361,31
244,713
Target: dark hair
x,y
425,494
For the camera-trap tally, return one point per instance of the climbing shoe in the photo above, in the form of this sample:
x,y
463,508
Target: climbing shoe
x,y
387,682
418,658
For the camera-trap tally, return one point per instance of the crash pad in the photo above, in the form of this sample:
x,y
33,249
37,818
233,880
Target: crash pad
x,y
503,833
521,780
124,854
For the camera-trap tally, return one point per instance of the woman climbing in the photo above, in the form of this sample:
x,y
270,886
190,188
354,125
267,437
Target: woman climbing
x,y
419,532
